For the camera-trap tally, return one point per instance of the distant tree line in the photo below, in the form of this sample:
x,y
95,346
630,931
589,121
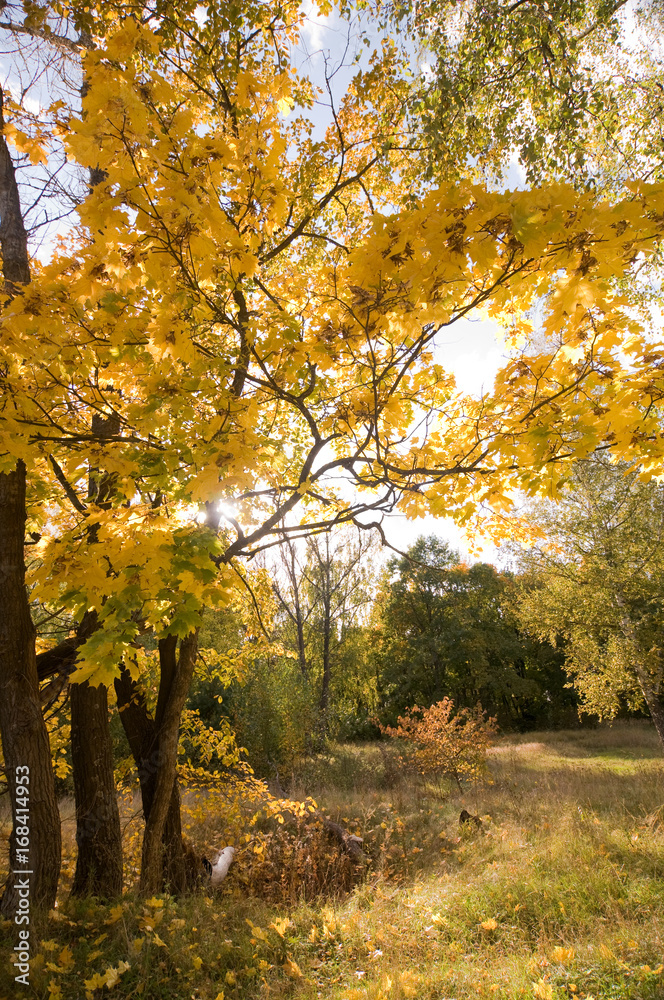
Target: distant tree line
x,y
355,641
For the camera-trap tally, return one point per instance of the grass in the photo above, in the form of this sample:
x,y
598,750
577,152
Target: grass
x,y
560,895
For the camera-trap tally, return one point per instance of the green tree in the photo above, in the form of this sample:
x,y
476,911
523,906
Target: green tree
x,y
317,676
598,576
445,629
572,87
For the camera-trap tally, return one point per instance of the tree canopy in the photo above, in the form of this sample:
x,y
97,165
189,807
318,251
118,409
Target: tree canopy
x,y
598,584
443,629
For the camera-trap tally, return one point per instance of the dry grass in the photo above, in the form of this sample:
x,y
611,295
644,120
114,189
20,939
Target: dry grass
x,y
560,895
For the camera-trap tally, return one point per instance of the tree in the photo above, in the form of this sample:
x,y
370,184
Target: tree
x,y
250,308
25,741
443,629
324,600
572,89
599,577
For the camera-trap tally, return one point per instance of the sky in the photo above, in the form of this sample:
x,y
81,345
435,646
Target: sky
x,y
472,350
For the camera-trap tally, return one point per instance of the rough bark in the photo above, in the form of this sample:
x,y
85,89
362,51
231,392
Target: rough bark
x,y
98,835
24,737
176,676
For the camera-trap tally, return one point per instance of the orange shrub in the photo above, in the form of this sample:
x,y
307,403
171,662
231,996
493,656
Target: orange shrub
x,y
439,742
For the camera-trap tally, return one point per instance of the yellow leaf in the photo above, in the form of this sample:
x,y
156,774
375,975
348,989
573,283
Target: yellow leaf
x,y
66,959
162,944
94,983
115,914
562,955
291,968
112,975
542,990
230,978
280,925
196,961
489,925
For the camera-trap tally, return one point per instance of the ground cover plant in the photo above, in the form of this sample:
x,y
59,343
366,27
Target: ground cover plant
x,y
560,894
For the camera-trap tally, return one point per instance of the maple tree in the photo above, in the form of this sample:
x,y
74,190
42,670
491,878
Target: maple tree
x,y
255,308
598,585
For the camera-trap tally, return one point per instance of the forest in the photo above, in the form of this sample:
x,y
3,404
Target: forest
x,y
331,499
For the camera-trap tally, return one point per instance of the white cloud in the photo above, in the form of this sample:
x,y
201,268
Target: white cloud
x,y
315,25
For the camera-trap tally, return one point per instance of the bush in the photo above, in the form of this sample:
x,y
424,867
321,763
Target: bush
x,y
438,742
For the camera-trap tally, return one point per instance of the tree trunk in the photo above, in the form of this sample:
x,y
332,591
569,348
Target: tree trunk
x,y
176,676
140,729
13,237
325,688
98,834
24,736
653,701
156,758
652,698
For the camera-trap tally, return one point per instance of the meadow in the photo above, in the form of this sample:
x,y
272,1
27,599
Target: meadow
x,y
560,894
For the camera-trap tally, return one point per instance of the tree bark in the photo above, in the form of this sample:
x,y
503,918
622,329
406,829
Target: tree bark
x,y
177,873
98,834
176,676
653,701
141,732
327,667
24,736
13,237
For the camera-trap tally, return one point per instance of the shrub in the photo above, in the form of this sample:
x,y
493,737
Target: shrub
x,y
438,742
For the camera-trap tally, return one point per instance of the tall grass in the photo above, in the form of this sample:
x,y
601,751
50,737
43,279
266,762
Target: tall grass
x,y
559,895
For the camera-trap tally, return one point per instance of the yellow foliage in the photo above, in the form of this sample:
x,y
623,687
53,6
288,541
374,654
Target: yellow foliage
x,y
438,740
562,955
291,968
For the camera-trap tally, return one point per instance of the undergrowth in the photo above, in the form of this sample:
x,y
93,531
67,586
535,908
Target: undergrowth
x,y
559,895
